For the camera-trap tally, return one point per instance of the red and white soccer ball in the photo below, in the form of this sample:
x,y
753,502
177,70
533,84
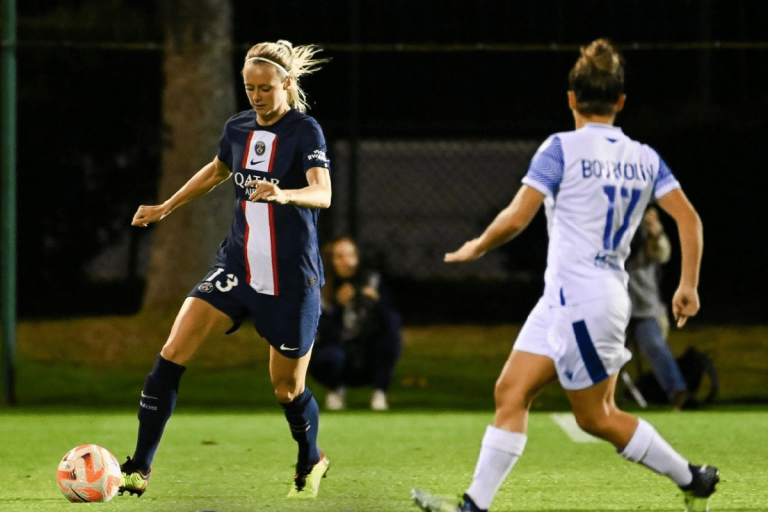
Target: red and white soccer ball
x,y
89,473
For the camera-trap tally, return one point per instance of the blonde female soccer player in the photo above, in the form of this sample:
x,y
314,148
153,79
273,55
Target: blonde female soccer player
x,y
595,183
268,269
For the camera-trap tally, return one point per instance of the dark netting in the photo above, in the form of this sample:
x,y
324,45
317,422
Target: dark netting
x,y
416,200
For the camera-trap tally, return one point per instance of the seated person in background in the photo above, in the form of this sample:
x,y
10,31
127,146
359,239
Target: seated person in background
x,y
648,325
358,339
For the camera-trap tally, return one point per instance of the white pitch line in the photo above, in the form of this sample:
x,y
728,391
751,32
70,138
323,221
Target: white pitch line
x,y
567,422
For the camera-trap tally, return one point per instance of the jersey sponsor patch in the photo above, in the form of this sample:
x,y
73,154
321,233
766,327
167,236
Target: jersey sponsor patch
x,y
261,151
319,157
205,287
604,259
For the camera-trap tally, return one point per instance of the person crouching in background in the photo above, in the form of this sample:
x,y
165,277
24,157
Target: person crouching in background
x,y
358,339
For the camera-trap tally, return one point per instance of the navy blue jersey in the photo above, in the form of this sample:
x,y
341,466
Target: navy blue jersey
x,y
273,246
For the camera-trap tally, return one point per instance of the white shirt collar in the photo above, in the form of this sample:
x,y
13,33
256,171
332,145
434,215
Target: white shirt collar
x,y
603,126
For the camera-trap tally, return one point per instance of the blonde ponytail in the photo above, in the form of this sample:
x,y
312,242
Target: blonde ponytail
x,y
289,61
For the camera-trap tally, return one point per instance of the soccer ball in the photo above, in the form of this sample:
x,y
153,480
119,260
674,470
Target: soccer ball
x,y
89,473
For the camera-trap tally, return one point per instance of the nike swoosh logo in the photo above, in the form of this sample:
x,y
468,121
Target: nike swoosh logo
x,y
254,162
147,396
283,347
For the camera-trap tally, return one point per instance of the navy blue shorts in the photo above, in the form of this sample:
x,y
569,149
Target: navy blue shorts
x,y
287,322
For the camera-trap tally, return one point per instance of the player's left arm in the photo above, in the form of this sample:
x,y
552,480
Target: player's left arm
x,y
685,302
317,193
509,223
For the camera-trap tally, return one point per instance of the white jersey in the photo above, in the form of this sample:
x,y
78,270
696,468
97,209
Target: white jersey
x,y
597,183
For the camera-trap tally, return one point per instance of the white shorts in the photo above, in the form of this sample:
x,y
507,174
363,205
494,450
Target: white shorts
x,y
585,341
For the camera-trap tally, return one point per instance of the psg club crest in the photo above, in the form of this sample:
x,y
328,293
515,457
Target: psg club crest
x,y
260,148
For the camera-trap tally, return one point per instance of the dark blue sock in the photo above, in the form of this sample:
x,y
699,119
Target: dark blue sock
x,y
158,399
303,417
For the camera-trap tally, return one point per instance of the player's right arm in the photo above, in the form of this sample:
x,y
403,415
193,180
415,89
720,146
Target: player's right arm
x,y
205,180
509,223
685,302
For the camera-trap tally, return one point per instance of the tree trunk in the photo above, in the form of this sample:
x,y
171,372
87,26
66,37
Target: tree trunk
x,y
197,100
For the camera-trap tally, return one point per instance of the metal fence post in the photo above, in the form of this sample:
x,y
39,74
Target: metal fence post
x,y
8,216
354,116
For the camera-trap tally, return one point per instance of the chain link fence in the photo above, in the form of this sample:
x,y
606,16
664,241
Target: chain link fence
x,y
417,199
430,126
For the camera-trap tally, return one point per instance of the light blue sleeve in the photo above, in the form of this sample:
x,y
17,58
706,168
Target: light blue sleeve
x,y
546,169
665,180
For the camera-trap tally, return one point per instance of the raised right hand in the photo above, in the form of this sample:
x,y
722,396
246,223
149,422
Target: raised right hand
x,y
345,294
146,215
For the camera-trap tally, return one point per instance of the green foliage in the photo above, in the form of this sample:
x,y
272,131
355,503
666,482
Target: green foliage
x,y
243,462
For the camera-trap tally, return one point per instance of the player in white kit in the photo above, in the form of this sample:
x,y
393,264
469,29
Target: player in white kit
x,y
595,183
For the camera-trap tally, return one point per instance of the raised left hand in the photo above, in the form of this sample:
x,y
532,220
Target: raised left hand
x,y
470,251
685,304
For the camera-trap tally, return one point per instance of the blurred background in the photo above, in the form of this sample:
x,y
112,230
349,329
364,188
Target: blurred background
x,y
431,110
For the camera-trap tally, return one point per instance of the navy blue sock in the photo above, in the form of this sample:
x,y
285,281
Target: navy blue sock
x,y
158,399
303,417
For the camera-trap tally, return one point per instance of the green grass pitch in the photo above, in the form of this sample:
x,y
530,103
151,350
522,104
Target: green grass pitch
x,y
239,461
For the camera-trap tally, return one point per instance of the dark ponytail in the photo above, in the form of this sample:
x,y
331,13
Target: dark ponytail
x,y
597,78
